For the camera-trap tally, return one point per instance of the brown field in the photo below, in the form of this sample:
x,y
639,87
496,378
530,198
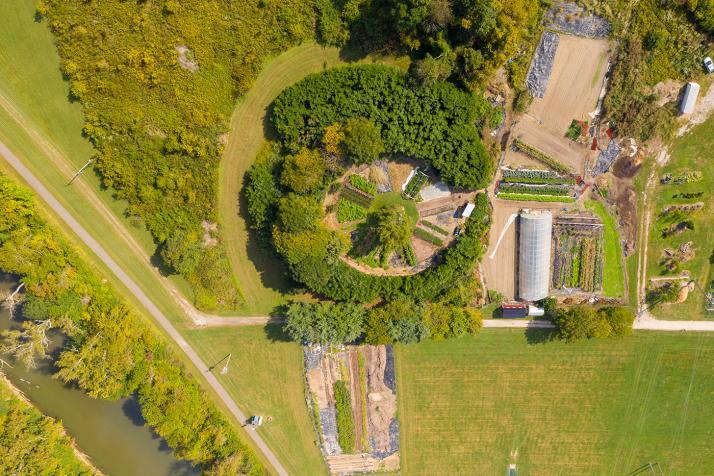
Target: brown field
x,y
573,90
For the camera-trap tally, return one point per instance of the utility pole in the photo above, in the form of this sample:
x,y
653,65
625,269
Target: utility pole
x,y
79,172
224,370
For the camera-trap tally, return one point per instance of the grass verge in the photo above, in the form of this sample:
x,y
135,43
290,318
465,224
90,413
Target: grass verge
x,y
613,284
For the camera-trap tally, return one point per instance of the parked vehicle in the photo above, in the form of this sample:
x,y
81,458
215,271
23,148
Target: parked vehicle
x,y
709,65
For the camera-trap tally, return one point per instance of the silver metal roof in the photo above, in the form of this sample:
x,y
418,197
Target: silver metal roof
x,y
535,231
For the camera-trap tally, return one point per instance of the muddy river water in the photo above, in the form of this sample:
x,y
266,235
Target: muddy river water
x,y
112,433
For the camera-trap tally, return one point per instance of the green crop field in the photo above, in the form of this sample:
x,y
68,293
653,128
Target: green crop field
x,y
613,284
265,377
595,407
691,153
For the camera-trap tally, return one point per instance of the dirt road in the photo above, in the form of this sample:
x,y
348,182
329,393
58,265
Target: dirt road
x,y
160,318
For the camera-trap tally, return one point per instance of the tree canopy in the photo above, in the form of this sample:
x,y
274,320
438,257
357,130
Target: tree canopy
x,y
434,123
584,322
325,322
362,142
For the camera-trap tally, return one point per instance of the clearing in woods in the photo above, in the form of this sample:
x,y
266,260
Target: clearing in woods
x,y
488,401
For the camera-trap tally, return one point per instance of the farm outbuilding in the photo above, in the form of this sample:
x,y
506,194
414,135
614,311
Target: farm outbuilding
x,y
514,310
691,91
468,210
535,231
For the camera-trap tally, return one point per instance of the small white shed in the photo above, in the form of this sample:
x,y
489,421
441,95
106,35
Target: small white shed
x,y
468,210
689,99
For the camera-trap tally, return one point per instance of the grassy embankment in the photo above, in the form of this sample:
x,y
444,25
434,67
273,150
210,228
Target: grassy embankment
x,y
690,153
44,129
596,407
613,275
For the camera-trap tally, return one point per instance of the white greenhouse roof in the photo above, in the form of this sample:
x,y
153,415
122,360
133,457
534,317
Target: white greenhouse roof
x,y
690,98
468,210
535,230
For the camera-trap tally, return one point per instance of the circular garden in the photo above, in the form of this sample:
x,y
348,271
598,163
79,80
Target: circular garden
x,y
329,196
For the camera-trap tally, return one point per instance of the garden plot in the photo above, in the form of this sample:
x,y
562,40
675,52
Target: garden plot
x,y
577,253
360,433
576,79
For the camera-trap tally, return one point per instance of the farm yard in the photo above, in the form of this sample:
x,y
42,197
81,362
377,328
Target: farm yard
x,y
352,393
549,407
681,237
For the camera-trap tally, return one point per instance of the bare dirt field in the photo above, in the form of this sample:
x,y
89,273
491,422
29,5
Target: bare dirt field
x,y
575,82
573,90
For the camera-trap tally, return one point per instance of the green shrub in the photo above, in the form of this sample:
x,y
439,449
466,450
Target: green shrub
x,y
345,418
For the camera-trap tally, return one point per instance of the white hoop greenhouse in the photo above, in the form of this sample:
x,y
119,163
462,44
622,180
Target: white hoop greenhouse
x,y
535,231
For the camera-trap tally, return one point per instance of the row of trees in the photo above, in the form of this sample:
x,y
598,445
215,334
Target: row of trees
x,y
435,123
109,352
401,320
584,322
158,81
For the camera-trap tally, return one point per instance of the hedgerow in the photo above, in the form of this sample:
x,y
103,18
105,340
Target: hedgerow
x,y
542,157
434,123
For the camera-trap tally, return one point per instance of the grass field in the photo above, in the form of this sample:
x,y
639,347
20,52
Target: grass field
x,y
613,283
474,405
689,153
265,377
260,275
395,198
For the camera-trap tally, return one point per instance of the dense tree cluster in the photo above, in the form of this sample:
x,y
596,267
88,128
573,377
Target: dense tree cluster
x,y
109,353
435,123
581,322
464,40
400,320
158,81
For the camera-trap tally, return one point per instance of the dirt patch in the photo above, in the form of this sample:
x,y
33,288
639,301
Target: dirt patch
x,y
381,401
627,167
398,173
667,91
575,83
210,230
622,194
186,59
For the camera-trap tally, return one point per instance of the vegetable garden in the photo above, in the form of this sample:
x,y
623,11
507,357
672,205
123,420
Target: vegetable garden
x,y
578,253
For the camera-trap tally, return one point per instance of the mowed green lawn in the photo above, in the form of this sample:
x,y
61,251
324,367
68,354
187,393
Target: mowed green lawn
x,y
693,152
265,377
474,405
613,282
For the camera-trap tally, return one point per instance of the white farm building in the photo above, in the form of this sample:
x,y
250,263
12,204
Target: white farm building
x,y
691,91
534,236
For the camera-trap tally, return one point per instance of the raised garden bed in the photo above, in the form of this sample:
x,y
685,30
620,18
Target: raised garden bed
x,y
362,184
524,197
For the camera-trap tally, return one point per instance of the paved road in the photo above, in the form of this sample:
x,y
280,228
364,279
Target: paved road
x,y
45,195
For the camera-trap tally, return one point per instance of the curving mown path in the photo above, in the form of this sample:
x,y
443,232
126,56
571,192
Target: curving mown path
x,y
260,276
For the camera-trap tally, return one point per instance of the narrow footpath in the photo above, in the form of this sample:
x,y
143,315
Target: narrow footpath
x,y
98,250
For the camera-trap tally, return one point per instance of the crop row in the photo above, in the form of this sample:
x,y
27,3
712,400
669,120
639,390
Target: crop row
x,y
563,190
355,196
525,197
347,211
434,227
428,237
534,176
361,183
541,156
